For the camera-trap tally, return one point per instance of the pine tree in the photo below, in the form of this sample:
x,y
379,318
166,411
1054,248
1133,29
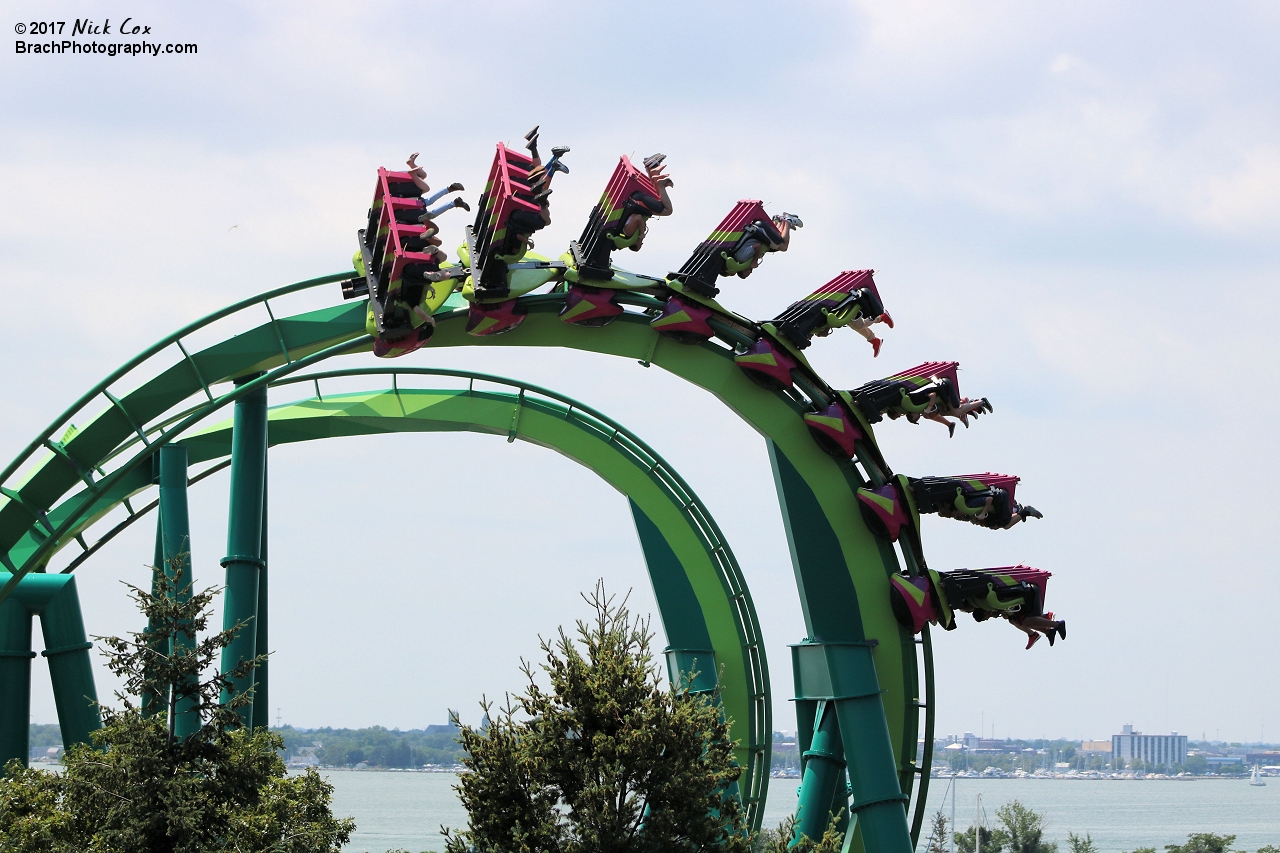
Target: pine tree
x,y
140,788
607,759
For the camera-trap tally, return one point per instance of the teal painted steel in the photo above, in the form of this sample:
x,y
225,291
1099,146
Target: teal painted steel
x,y
926,759
175,531
822,775
244,540
15,681
26,541
261,693
54,599
150,702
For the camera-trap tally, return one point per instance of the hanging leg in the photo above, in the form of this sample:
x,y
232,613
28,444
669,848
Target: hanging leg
x,y
244,540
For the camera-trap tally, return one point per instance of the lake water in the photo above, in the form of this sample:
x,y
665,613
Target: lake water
x,y
405,810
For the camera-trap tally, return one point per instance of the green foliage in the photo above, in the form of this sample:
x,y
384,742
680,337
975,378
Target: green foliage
x,y
378,746
1078,844
993,840
607,759
1145,850
1203,842
1024,829
140,789
1196,765
938,834
43,736
1021,830
779,840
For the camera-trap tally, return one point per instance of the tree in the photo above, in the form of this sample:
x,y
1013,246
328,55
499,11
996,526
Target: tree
x,y
993,840
780,840
1023,829
1078,844
1203,842
141,788
1196,765
938,834
607,759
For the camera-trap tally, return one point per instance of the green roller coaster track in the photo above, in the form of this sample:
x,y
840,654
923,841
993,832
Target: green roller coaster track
x,y
856,674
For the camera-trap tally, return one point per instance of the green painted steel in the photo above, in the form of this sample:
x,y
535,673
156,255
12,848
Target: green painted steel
x,y
261,692
29,537
702,599
54,599
244,541
175,535
15,680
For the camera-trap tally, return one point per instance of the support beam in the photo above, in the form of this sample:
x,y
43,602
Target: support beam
x,y
67,650
175,536
838,680
244,538
54,598
149,702
15,680
261,696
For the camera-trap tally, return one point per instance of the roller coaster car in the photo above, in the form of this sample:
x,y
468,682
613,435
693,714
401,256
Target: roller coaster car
x,y
592,294
508,213
732,249
910,392
889,508
403,277
835,430
934,596
983,499
630,191
849,298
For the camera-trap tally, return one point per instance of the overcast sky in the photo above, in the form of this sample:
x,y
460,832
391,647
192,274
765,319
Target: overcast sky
x,y
1079,202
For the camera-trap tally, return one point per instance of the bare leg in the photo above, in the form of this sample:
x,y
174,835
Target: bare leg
x,y
950,425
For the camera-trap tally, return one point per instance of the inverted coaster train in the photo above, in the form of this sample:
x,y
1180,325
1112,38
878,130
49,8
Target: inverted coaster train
x,y
867,604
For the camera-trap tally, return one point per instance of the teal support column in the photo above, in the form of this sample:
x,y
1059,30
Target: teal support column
x,y
261,696
175,537
54,598
67,649
822,769
15,680
149,702
840,683
244,539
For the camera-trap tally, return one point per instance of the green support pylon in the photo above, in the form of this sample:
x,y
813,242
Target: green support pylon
x,y
244,539
261,702
15,681
822,768
150,703
54,598
67,650
175,535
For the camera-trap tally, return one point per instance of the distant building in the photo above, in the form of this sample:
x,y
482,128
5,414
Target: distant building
x,y
1152,749
1095,746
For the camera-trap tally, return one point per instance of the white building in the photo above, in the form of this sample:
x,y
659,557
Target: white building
x,y
1152,749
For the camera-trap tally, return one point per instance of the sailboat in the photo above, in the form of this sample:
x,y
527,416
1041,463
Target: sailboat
x,y
1255,779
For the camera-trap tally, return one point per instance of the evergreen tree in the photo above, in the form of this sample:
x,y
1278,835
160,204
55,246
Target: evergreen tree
x,y
142,789
1023,829
938,834
606,759
1081,844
